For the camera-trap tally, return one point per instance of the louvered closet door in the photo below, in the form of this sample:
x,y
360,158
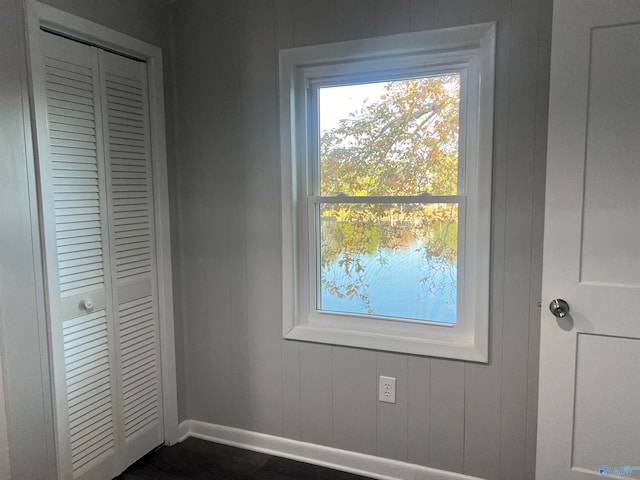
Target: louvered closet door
x,y
98,216
73,190
128,159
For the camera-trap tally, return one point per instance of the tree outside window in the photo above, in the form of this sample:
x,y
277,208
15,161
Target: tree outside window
x,y
399,139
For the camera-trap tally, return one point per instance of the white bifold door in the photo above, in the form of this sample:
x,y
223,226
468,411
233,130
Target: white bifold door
x,y
97,221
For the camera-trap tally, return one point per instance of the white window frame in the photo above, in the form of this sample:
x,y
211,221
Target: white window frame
x,y
467,50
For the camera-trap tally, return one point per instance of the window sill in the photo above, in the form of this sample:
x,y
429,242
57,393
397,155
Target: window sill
x,y
452,349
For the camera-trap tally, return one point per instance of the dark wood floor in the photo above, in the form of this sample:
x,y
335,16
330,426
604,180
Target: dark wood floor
x,y
196,459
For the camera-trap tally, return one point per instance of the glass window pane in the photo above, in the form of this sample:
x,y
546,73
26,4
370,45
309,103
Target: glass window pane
x,y
392,260
390,138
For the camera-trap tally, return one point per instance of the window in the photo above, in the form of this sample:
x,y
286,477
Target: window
x,y
386,176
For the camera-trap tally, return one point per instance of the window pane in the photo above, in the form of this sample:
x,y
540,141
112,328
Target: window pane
x,y
390,138
394,260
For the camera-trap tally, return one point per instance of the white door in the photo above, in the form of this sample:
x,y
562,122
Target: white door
x,y
75,229
589,417
96,199
123,83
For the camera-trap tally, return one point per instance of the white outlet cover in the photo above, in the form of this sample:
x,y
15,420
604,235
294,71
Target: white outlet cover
x,y
387,389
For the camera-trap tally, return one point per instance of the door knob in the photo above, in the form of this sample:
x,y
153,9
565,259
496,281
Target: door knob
x,y
88,305
559,307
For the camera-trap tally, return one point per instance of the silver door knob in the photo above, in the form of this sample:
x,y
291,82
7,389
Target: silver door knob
x,y
559,307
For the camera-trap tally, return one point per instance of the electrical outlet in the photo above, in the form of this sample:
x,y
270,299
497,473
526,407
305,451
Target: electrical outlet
x,y
387,389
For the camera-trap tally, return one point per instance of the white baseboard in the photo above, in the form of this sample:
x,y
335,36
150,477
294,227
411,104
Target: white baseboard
x,y
183,430
343,460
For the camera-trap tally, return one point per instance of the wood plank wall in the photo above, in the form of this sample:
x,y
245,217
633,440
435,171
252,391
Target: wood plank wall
x,y
463,417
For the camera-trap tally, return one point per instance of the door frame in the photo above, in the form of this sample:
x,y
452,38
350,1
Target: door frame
x,y
39,15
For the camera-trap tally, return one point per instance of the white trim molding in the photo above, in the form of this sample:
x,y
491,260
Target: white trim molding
x,y
183,430
335,458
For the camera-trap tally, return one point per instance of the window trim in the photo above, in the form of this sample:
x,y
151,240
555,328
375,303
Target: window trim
x,y
469,49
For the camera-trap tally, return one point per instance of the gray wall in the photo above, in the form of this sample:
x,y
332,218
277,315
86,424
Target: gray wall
x,y
22,330
27,404
463,417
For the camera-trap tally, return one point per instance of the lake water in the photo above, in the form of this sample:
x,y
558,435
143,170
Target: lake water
x,y
396,287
